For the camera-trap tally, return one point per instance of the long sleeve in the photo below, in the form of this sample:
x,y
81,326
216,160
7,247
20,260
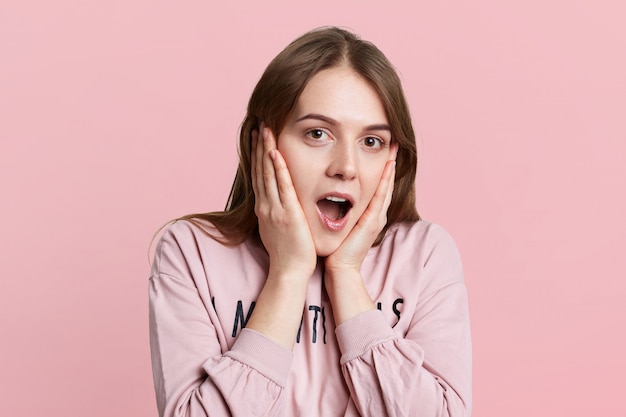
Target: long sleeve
x,y
427,370
194,375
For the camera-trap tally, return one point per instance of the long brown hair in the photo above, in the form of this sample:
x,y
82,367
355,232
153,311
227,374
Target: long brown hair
x,y
273,99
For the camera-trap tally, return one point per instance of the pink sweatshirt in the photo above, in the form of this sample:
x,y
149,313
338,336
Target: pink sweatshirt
x,y
411,357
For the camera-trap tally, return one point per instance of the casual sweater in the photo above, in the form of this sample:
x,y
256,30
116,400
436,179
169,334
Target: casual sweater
x,y
410,357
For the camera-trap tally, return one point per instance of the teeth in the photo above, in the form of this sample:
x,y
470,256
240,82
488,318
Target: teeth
x,y
336,199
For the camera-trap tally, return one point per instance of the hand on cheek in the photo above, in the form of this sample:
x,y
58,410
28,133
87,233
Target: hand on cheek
x,y
352,251
282,225
343,279
286,236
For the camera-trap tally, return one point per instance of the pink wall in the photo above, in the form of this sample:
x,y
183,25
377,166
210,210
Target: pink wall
x,y
118,116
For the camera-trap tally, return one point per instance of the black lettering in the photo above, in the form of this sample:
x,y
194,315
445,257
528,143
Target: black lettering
x,y
317,310
324,323
239,316
395,309
379,305
300,329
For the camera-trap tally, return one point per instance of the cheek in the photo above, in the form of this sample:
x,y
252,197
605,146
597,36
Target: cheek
x,y
298,172
293,152
372,179
290,157
372,184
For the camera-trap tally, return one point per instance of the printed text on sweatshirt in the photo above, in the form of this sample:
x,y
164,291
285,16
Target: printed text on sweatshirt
x,y
409,357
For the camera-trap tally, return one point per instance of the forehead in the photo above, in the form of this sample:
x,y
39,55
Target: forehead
x,y
342,94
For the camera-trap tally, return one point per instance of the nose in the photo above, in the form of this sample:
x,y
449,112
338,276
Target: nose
x,y
343,162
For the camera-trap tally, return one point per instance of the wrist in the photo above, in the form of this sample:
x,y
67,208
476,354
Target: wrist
x,y
289,278
347,294
342,279
340,269
278,309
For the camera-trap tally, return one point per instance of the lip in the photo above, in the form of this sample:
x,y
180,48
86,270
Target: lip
x,y
340,195
331,224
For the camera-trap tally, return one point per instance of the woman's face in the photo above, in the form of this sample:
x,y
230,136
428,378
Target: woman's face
x,y
336,142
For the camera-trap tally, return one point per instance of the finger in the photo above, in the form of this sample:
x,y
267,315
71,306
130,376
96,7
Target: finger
x,y
269,173
258,178
286,190
393,154
381,197
253,177
392,175
393,151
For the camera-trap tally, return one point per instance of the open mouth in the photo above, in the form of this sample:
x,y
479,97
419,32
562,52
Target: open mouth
x,y
334,208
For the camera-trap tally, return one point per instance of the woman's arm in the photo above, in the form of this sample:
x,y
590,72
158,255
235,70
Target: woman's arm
x,y
425,372
193,377
343,280
286,236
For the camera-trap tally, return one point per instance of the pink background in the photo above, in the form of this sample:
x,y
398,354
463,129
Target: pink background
x,y
118,116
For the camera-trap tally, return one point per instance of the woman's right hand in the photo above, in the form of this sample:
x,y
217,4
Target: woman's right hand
x,y
283,227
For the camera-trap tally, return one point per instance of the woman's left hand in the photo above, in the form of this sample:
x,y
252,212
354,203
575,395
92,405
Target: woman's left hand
x,y
343,281
350,254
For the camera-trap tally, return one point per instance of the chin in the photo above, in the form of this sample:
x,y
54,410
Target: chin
x,y
325,248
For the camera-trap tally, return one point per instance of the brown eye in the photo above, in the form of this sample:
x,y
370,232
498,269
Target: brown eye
x,y
316,134
372,142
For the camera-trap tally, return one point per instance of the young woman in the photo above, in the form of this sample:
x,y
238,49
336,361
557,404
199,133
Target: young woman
x,y
318,291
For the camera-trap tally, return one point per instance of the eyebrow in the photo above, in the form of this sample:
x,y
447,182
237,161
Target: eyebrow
x,y
333,122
